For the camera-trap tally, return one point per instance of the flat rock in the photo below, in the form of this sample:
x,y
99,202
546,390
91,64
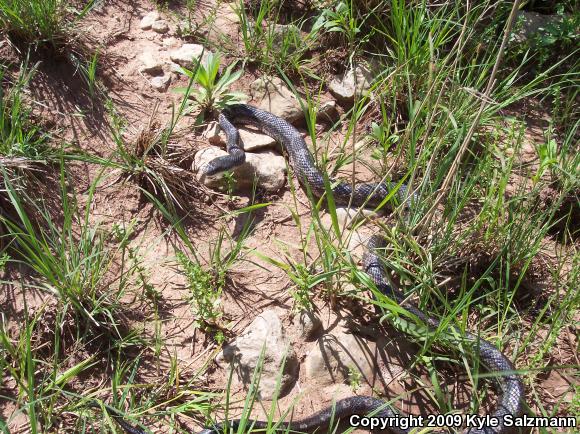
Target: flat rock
x,y
161,82
355,81
272,95
188,54
266,333
150,63
268,169
160,26
148,20
251,140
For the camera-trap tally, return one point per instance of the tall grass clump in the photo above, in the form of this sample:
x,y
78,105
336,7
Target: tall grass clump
x,y
42,21
20,137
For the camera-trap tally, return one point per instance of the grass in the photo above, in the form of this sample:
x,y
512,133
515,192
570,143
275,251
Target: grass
x,y
445,114
42,22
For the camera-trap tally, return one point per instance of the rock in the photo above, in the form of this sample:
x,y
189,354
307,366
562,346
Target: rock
x,y
354,82
251,140
170,42
336,355
150,63
212,134
348,217
269,169
529,24
272,95
357,243
327,112
309,324
160,26
266,330
188,54
161,83
148,20
280,32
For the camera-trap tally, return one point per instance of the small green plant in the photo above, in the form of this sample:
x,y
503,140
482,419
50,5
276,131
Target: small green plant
x,y
548,155
19,136
230,182
354,378
341,19
213,93
205,291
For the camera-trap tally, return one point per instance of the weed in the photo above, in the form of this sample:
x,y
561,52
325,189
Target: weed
x,y
214,93
205,291
42,21
19,136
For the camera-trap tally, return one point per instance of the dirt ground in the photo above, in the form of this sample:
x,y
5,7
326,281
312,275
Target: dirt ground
x,y
62,101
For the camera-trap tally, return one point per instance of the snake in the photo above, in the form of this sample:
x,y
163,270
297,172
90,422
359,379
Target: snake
x,y
510,392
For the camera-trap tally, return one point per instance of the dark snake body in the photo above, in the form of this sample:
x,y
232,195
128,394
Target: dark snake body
x,y
510,391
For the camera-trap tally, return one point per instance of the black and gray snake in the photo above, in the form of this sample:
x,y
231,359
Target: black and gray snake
x,y
510,399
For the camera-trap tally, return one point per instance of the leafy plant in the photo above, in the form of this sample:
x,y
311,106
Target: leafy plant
x,y
213,93
205,291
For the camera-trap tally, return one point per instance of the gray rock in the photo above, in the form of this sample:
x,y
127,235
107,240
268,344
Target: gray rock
x,y
161,83
150,63
148,20
267,168
337,354
310,325
188,54
265,333
355,81
528,24
271,94
160,26
251,140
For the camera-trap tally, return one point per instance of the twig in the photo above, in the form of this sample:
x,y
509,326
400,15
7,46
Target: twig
x,y
426,220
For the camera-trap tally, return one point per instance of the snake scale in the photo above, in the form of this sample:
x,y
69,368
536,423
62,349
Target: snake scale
x,y
510,398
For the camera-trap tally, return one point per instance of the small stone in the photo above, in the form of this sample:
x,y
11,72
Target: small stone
x,y
327,112
188,54
310,325
170,42
160,26
148,20
266,333
212,134
161,83
150,63
269,170
354,82
272,95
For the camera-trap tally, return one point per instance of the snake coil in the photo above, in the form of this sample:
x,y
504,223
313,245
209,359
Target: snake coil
x,y
510,391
